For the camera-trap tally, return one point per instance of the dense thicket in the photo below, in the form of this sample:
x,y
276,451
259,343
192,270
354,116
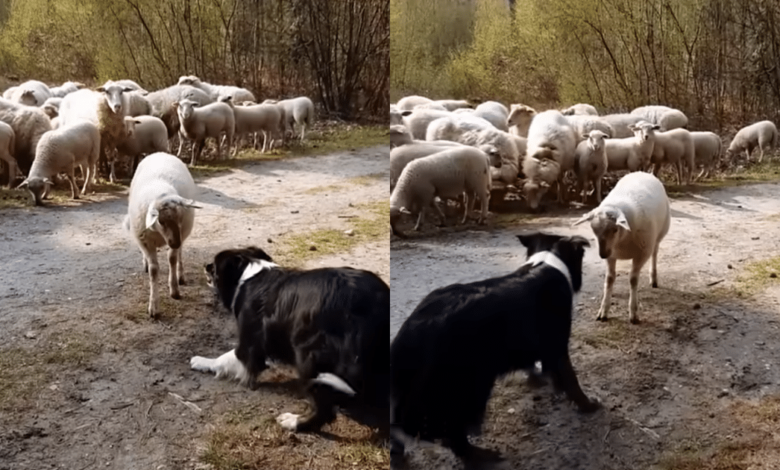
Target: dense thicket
x,y
717,60
335,51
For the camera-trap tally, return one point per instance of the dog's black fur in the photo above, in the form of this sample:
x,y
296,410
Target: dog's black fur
x,y
461,338
334,320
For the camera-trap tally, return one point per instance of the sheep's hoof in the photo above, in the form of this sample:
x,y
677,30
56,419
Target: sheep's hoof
x,y
152,313
182,282
601,318
634,320
176,295
655,285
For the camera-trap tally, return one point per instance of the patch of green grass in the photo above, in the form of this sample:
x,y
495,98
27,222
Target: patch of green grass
x,y
752,279
764,172
59,195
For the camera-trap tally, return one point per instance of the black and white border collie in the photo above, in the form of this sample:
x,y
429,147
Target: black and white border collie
x,y
461,338
332,324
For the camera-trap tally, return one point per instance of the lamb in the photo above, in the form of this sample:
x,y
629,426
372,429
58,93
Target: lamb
x,y
106,108
707,148
216,92
452,105
201,122
448,175
508,165
160,212
28,124
60,151
418,121
761,134
591,166
621,124
582,126
144,135
630,223
580,109
7,145
632,153
495,113
666,117
550,136
519,120
31,93
52,107
65,89
299,111
408,103
265,118
674,147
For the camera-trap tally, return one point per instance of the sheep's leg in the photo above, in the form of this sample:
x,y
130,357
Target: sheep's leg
x,y
597,183
153,266
173,272
419,220
74,188
633,300
180,270
468,206
761,154
440,211
181,145
485,202
303,130
609,282
112,174
87,178
265,141
197,146
679,167
654,267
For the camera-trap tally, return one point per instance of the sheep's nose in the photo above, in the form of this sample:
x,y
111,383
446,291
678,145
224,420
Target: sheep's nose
x,y
604,254
117,108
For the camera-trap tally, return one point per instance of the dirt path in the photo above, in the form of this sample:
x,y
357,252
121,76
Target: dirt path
x,y
674,386
88,381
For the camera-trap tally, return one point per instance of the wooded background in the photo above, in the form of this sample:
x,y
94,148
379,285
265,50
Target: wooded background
x,y
336,52
716,60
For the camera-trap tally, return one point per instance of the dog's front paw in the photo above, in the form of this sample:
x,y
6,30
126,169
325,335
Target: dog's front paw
x,y
202,364
590,406
288,421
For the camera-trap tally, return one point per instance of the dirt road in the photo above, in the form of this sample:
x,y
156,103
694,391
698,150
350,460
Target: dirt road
x,y
676,389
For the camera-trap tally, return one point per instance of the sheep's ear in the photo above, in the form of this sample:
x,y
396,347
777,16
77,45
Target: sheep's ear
x,y
138,122
151,217
622,222
175,104
657,127
404,210
23,185
585,136
585,218
100,89
47,181
544,184
406,113
190,203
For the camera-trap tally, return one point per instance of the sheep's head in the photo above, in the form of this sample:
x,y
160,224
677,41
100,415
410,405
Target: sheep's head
x,y
399,135
191,80
520,115
644,130
130,124
227,100
37,187
493,154
28,98
595,140
185,108
165,215
51,110
534,190
610,226
114,95
395,217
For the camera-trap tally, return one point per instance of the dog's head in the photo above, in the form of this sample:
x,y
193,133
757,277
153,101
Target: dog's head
x,y
570,250
224,273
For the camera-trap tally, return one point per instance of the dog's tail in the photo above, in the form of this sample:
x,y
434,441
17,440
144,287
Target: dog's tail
x,y
334,381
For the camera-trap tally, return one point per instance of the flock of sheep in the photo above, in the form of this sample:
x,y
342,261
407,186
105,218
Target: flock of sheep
x,y
449,150
45,131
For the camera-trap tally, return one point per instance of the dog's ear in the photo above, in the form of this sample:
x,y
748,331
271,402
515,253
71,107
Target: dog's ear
x,y
579,242
258,253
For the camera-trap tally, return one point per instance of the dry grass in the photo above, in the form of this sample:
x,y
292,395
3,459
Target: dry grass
x,y
364,180
59,196
766,171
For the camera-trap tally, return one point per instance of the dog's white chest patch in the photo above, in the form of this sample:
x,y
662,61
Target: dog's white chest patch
x,y
551,259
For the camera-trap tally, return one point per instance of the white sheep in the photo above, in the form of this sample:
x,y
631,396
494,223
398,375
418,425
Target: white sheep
x,y
65,89
436,106
265,118
395,115
162,104
707,147
31,93
417,121
632,153
28,124
591,166
145,135
447,174
621,124
666,117
580,109
201,122
630,224
408,103
452,105
551,136
61,150
216,92
761,134
540,174
510,148
298,111
401,156
160,212
674,147
7,146
519,120
452,126
52,107
9,92
494,112
583,124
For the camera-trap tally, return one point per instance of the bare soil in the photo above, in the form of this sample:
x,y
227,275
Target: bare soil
x,y
88,381
693,386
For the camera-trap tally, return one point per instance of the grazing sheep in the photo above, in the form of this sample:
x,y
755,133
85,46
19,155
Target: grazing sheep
x,y
452,105
417,121
31,93
761,134
519,120
52,107
580,109
674,147
632,153
508,165
630,224
666,117
201,122
401,156
65,89
448,175
707,147
408,103
453,126
216,92
62,150
540,174
550,136
29,124
621,124
299,111
591,166
7,146
138,105
106,108
144,135
265,118
583,124
160,212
